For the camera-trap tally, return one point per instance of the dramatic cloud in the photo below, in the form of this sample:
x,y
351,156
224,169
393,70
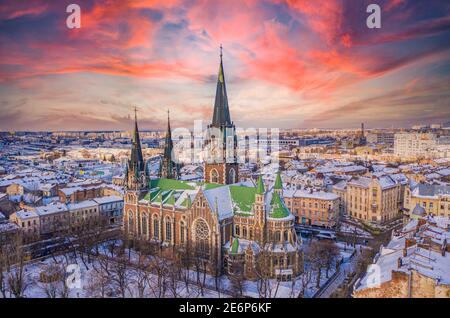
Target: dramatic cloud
x,y
288,63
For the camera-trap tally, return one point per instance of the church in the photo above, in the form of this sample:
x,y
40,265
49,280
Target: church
x,y
232,226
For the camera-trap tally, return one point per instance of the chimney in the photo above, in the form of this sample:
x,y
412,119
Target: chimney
x,y
410,242
399,262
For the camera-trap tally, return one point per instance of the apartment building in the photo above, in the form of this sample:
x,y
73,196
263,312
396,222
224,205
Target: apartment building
x,y
433,198
313,207
28,222
372,199
414,145
110,208
414,264
43,221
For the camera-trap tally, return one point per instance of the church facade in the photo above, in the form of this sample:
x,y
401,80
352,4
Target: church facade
x,y
232,226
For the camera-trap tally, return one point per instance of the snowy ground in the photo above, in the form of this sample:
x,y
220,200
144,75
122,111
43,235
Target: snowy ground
x,y
37,289
350,229
89,279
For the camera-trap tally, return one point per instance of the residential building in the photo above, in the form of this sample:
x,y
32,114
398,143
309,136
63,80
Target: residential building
x,y
313,207
414,145
435,199
415,263
372,199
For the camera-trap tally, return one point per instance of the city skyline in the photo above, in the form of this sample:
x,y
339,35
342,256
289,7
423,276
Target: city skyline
x,y
288,64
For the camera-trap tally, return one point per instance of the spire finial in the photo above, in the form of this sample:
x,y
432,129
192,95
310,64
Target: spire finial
x,y
135,113
221,51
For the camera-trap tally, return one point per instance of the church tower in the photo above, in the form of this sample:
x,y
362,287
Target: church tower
x,y
221,158
259,209
168,168
135,174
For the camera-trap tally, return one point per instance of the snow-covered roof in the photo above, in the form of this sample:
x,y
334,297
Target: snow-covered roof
x,y
108,199
221,196
82,205
321,195
24,214
51,209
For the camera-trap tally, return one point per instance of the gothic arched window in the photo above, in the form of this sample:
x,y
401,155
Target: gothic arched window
x,y
144,225
237,230
130,221
277,236
168,227
244,232
214,176
155,227
201,233
182,232
232,175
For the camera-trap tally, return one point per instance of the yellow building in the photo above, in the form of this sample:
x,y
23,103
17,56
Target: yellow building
x,y
435,199
372,199
313,207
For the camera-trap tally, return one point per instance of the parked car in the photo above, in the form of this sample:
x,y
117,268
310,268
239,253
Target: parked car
x,y
326,236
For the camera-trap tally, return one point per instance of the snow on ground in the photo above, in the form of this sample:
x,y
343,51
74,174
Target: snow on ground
x,y
37,289
349,228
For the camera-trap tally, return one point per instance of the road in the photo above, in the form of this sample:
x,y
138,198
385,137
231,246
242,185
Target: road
x,y
346,268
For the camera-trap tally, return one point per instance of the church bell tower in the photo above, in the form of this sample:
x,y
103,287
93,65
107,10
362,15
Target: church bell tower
x,y
220,156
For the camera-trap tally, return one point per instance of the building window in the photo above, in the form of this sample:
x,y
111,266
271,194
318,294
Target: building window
x,y
214,176
144,225
201,232
182,233
232,176
277,236
130,221
155,227
237,230
244,232
168,227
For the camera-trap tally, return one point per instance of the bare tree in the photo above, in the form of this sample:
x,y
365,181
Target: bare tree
x,y
17,280
120,277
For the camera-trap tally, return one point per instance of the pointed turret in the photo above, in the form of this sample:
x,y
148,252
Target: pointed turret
x,y
221,117
168,168
260,186
136,160
278,209
278,186
136,178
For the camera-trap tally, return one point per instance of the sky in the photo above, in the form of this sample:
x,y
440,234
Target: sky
x,y
288,63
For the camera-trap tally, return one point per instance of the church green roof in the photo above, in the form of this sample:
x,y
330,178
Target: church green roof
x,y
243,198
172,184
278,183
235,246
187,202
171,200
279,210
260,186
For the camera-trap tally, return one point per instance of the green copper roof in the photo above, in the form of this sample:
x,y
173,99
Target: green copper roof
x,y
260,186
279,210
187,202
171,200
171,184
278,183
235,246
242,197
150,196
